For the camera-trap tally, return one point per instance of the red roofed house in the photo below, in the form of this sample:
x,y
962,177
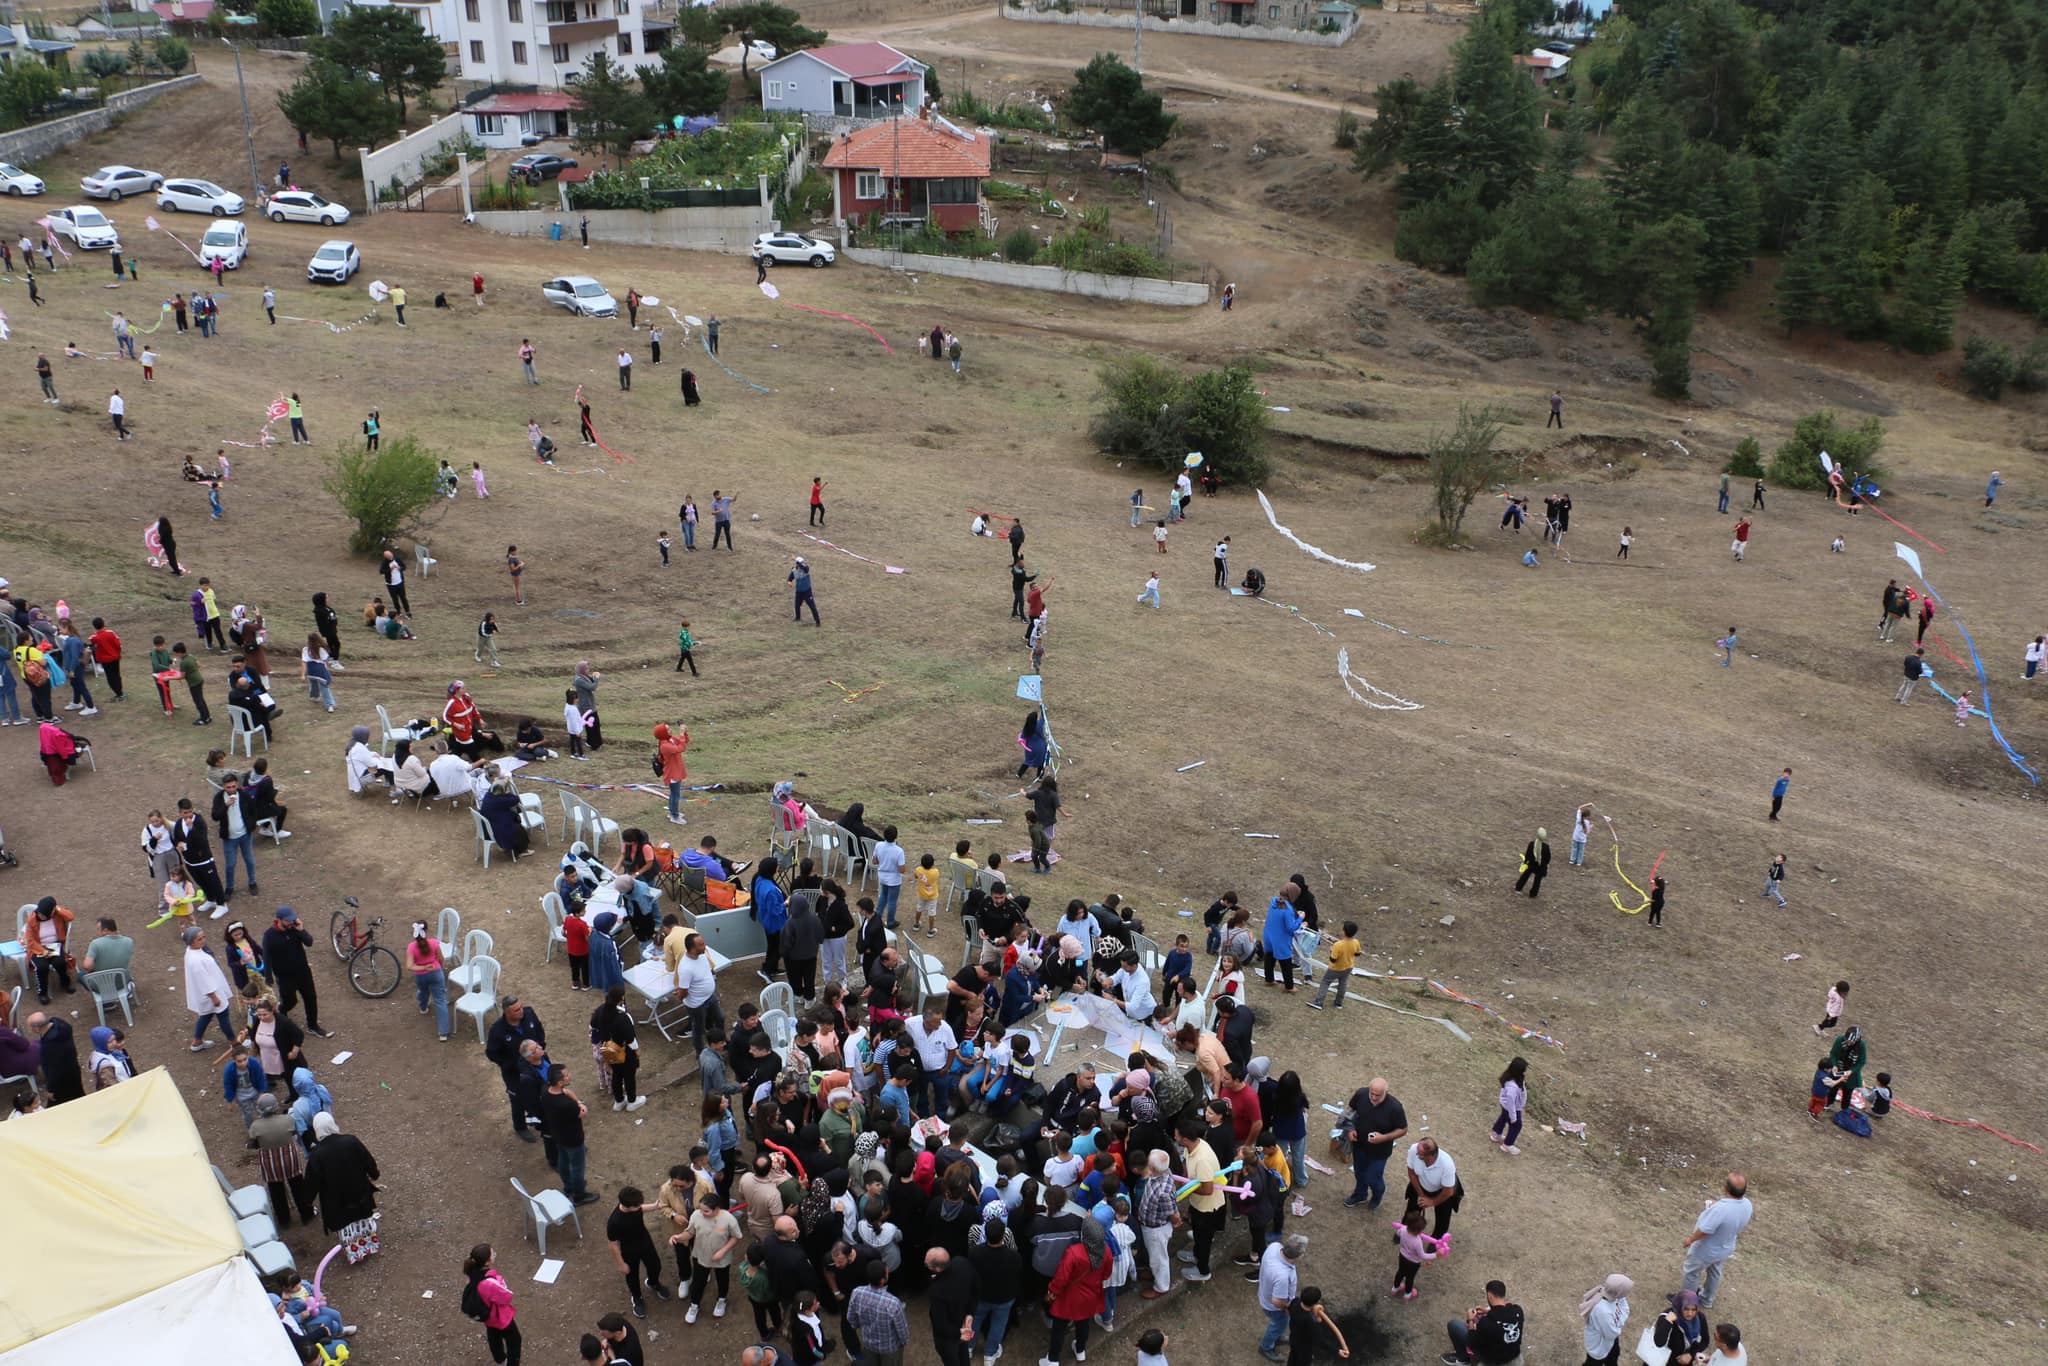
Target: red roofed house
x,y
505,119
849,80
917,168
184,11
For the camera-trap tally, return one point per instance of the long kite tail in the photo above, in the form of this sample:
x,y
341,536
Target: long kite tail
x,y
849,318
1912,560
713,355
1967,1124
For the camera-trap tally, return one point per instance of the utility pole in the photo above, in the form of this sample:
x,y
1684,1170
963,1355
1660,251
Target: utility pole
x,y
248,136
1138,37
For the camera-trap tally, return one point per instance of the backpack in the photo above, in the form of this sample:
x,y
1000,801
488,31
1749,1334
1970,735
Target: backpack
x,y
473,1306
1854,1121
1048,1248
35,672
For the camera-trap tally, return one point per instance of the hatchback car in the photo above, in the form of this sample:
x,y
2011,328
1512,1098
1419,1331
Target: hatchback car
x,y
303,206
228,241
198,196
19,182
334,263
86,227
535,167
795,247
118,182
581,295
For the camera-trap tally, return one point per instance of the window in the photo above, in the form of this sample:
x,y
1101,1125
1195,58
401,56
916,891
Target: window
x,y
625,44
476,53
514,11
486,125
1272,11
622,8
867,185
519,54
469,9
774,89
952,190
560,54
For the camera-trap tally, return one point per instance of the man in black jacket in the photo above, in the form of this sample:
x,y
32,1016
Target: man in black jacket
x,y
1235,1031
234,816
534,1071
951,1294
284,949
188,836
1489,1334
1070,1095
517,1022
1535,863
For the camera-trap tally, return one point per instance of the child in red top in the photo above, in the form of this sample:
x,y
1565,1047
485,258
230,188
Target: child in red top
x,y
576,930
106,648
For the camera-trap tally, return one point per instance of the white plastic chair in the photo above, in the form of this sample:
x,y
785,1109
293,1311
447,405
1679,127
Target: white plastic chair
x,y
600,824
959,882
1149,956
423,563
14,1004
256,1230
551,907
448,926
481,997
476,946
112,986
572,818
532,816
243,731
780,1028
970,946
245,1201
545,1211
268,826
778,997
272,1259
392,734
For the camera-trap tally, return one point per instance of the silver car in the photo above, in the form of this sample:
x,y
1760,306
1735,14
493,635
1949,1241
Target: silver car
x,y
118,182
581,295
198,196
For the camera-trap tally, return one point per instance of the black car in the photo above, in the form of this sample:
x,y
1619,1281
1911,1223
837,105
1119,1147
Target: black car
x,y
535,167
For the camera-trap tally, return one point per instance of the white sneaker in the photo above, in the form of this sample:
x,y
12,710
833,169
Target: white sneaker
x,y
88,711
718,1310
691,1317
218,912
284,834
618,1105
636,1102
1511,1150
993,1357
71,706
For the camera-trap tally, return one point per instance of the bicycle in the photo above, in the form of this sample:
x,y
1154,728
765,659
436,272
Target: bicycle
x,y
373,970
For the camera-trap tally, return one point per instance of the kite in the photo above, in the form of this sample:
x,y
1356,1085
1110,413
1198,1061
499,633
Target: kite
x,y
1322,555
1413,635
843,317
154,226
1392,703
154,544
271,417
162,313
50,236
1615,897
337,328
770,290
1966,1124
851,693
1835,478
1912,560
890,568
617,459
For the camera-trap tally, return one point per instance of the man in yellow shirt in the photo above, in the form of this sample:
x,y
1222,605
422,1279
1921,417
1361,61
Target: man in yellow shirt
x,y
398,302
1205,1203
1343,954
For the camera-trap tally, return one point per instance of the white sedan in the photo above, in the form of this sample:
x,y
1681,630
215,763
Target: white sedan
x,y
19,182
302,206
334,263
198,196
87,228
794,247
118,182
581,295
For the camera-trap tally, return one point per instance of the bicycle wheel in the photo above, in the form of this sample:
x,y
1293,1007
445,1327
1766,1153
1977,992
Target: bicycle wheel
x,y
341,934
373,971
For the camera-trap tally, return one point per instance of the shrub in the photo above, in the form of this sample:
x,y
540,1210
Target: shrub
x,y
1748,460
512,194
1796,464
385,491
1153,416
1020,245
1004,192
1988,366
1463,463
1347,129
2030,367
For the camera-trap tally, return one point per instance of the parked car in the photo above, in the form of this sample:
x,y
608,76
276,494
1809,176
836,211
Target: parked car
x,y
118,182
228,240
303,206
1558,46
18,182
86,227
198,196
581,295
794,247
334,262
535,167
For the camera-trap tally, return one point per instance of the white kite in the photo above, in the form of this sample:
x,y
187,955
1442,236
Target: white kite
x,y
770,290
1322,555
1392,703
379,291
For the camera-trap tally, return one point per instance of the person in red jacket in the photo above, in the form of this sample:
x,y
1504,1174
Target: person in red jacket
x,y
1075,1296
106,648
576,940
501,1329
466,734
668,749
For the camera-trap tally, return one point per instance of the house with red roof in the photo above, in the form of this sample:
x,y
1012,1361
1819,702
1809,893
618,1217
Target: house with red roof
x,y
919,167
518,119
847,80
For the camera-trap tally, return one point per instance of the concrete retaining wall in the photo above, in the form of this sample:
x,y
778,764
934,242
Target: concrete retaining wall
x,y
726,229
404,157
25,145
1128,288
1186,27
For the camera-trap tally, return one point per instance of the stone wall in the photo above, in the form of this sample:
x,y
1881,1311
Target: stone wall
x,y
25,145
1127,288
724,229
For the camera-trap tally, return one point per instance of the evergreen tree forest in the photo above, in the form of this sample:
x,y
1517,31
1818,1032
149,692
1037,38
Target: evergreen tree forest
x,y
1894,157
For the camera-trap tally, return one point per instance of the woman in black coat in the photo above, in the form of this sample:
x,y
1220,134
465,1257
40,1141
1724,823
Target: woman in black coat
x,y
500,810
342,1175
611,1024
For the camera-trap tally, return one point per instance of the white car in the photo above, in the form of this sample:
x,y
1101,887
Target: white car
x,y
581,295
302,206
87,227
229,241
18,182
198,196
334,263
118,182
795,247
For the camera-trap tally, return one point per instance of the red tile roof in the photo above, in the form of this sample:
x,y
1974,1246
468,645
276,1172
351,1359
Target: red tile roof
x,y
910,149
191,11
859,59
547,101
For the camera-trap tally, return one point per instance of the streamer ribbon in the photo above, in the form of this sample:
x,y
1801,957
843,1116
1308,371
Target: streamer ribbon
x,y
848,318
1479,1006
1322,555
272,415
757,388
162,313
851,693
1966,1124
1615,897
1912,560
890,568
1241,593
1393,703
1928,675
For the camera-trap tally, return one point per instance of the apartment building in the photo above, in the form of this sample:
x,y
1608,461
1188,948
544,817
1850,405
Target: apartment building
x,y
546,42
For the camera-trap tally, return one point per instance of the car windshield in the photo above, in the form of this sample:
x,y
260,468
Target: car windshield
x,y
219,237
89,218
589,289
331,254
8,170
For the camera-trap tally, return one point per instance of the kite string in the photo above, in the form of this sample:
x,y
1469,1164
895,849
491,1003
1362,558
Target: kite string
x,y
844,551
1322,555
1977,661
757,388
847,317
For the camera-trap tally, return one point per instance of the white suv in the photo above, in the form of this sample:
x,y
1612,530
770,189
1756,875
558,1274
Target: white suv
x,y
227,240
794,247
198,196
303,206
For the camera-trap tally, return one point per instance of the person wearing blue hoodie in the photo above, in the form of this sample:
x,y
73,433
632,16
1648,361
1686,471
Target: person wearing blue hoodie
x,y
241,1081
772,912
71,649
311,1099
1283,923
606,971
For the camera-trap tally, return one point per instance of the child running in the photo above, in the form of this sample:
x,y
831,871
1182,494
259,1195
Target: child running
x,y
1416,1247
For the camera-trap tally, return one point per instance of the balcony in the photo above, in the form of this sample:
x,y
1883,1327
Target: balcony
x,y
584,31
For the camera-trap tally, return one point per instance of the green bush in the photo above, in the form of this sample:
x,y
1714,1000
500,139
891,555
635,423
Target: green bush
x,y
512,194
1347,129
1464,462
1003,192
2030,367
971,108
1988,367
1796,464
1152,415
1020,245
1748,460
385,491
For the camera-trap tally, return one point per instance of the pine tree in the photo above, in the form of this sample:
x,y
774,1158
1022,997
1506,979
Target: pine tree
x,y
1802,283
1674,245
1858,238
1643,169
1430,160
1499,116
1728,203
1930,295
1816,157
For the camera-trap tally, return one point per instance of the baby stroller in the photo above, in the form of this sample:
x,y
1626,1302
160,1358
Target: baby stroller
x,y
545,452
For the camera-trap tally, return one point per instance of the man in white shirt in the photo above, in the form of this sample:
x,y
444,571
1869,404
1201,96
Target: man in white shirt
x,y
1132,986
889,874
206,990
117,409
625,368
936,1048
1433,1183
698,982
450,775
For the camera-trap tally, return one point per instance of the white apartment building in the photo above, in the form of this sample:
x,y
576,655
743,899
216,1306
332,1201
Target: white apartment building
x,y
546,42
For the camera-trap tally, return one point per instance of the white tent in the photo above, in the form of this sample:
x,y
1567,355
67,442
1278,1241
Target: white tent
x,y
123,1245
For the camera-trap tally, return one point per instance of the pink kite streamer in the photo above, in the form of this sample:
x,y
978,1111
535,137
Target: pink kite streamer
x,y
848,318
893,569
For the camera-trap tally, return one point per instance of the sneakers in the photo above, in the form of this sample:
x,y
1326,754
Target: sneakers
x,y
1105,1323
1453,1359
1252,1276
718,1310
635,1104
1315,1004
1411,1294
639,1309
993,1357
219,911
661,1292
617,1106
286,834
1511,1150
587,1198
1244,1259
73,706
1193,1275
691,1316
1080,1355
766,977
88,711
317,1032
1185,1256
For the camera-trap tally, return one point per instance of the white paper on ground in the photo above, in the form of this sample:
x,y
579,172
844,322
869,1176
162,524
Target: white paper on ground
x,y
342,1057
549,1270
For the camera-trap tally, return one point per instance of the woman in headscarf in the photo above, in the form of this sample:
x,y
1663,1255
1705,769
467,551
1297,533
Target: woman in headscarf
x,y
585,683
106,1066
500,810
1847,1056
818,1224
343,1176
1058,975
1681,1331
365,764
1032,740
1020,989
1075,1296
410,777
606,971
327,623
1604,1309
310,1101
255,646
866,1158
